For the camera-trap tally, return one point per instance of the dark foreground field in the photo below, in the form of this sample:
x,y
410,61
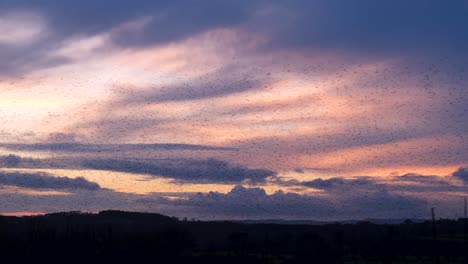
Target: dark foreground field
x,y
122,237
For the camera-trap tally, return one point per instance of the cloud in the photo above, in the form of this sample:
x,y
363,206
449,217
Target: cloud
x,y
10,161
355,25
181,169
97,148
226,81
62,138
125,25
24,41
378,27
407,183
46,181
320,183
20,28
418,178
186,170
15,161
462,174
254,203
379,198
355,148
184,17
239,203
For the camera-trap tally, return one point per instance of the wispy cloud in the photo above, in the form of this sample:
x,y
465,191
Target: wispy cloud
x,y
21,28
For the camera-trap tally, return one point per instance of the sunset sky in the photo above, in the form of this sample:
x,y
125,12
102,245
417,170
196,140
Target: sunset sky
x,y
301,109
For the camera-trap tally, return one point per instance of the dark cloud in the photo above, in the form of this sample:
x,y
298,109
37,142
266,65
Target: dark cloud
x,y
182,169
254,203
364,25
462,174
418,178
15,161
20,60
172,20
369,26
239,203
58,138
376,27
77,147
299,170
409,183
10,161
191,170
337,182
45,181
349,202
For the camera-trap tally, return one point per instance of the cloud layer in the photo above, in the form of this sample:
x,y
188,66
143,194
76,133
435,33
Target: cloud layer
x,y
45,181
407,196
184,170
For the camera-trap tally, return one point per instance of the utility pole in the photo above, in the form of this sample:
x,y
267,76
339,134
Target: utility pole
x,y
434,238
465,224
434,233
465,230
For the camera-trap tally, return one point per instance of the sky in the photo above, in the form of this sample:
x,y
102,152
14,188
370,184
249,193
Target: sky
x,y
214,109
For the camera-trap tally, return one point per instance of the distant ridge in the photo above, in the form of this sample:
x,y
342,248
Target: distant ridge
x,y
315,222
145,216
